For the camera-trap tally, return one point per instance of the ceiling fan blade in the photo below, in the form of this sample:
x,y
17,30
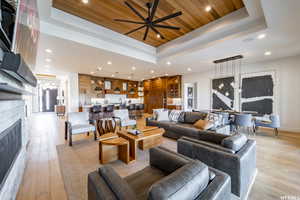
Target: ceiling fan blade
x,y
135,30
128,21
146,33
165,26
167,17
157,32
153,10
135,11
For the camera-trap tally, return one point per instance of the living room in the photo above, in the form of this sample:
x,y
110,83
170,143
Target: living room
x,y
149,99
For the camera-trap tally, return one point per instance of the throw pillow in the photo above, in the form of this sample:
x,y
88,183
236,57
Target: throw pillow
x,y
203,124
235,142
163,116
156,111
174,115
216,119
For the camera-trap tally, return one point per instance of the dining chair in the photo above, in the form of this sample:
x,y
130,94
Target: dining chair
x,y
274,123
245,121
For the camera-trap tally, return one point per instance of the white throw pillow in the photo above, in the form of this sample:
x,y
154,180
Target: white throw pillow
x,y
156,111
163,116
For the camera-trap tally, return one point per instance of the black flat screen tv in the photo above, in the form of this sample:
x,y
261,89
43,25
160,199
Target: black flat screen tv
x,y
7,18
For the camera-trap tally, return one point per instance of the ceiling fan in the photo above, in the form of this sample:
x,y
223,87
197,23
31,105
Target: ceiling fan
x,y
149,22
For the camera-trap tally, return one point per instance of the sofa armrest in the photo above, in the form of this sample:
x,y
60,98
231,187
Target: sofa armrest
x,y
219,188
98,189
166,160
211,136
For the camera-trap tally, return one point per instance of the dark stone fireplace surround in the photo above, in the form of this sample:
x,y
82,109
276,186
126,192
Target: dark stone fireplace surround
x,y
12,111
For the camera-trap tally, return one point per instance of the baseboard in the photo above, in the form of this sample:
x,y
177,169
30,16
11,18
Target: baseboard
x,y
234,197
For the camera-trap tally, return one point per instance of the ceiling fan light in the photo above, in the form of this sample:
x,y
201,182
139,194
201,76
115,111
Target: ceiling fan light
x,y
208,8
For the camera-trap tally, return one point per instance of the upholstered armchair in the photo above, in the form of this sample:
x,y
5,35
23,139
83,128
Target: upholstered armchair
x,y
169,176
79,123
121,118
274,123
234,155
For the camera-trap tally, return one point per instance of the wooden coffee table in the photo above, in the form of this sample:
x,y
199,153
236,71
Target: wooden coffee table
x,y
112,147
150,137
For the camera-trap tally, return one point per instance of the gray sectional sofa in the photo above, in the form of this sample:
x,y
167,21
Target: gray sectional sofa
x,y
234,155
169,176
184,126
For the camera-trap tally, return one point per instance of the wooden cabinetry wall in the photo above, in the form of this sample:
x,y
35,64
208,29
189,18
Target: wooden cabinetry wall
x,y
156,91
94,87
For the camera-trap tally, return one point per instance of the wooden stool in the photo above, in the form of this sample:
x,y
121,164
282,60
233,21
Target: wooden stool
x,y
112,147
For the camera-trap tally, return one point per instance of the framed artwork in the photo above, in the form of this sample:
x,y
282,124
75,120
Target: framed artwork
x,y
124,86
223,93
190,92
107,85
257,92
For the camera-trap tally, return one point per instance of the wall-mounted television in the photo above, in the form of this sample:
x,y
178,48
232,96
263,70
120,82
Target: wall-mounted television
x,y
8,18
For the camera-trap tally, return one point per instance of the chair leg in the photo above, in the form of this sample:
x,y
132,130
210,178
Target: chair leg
x,y
66,130
88,133
276,131
95,135
70,139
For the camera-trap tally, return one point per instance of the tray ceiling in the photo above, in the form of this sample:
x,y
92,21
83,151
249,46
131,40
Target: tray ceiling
x,y
194,15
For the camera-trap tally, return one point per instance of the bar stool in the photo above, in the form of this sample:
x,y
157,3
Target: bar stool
x,y
140,110
109,110
132,111
96,112
123,106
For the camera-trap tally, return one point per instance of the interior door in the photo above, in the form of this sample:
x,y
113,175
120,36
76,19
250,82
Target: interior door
x,y
49,99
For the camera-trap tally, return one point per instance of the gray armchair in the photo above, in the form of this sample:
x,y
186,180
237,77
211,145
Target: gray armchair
x,y
234,155
79,123
169,176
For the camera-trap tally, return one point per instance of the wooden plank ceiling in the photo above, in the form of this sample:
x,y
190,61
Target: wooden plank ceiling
x,y
103,12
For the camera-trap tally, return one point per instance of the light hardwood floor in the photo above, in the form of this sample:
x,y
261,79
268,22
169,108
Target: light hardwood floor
x,y
278,161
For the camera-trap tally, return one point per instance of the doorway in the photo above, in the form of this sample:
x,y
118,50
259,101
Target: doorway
x,y
49,99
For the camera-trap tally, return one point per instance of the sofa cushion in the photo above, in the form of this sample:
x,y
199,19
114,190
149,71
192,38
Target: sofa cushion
x,y
165,124
235,142
192,117
118,185
186,182
203,124
156,111
185,130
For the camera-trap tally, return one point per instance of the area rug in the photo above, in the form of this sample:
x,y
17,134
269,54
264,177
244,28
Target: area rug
x,y
78,161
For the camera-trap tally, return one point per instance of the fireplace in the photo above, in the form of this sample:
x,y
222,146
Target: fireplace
x,y
10,147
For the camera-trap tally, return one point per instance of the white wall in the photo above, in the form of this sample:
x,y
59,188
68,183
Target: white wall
x,y
73,92
287,88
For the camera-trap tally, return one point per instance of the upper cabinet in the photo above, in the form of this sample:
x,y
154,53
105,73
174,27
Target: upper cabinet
x,y
97,87
174,87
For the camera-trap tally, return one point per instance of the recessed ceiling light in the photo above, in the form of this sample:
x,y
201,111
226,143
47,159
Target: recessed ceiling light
x,y
168,63
129,77
268,53
48,60
133,68
112,75
99,68
92,72
261,36
85,1
208,8
166,74
48,50
158,35
109,62
189,69
152,71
